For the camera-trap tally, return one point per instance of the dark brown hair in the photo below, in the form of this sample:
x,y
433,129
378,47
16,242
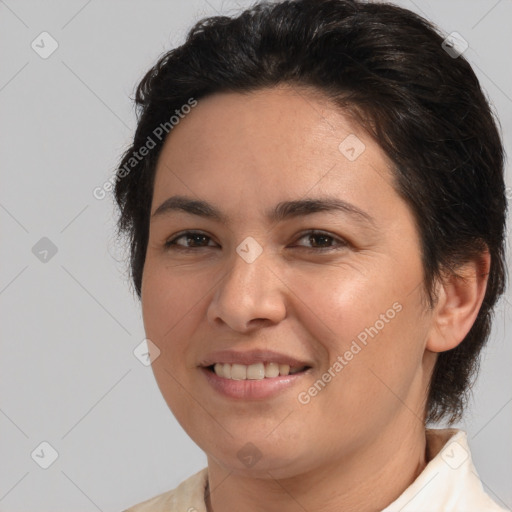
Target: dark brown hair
x,y
388,67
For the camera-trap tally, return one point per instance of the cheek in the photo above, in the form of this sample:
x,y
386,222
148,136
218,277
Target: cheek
x,y
172,311
375,325
335,304
171,300
171,308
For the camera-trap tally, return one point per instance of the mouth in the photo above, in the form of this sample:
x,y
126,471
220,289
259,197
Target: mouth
x,y
256,371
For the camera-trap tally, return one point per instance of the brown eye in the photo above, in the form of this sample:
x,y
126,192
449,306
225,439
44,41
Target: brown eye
x,y
322,241
192,240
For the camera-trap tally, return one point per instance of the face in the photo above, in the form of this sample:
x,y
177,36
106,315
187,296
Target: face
x,y
302,254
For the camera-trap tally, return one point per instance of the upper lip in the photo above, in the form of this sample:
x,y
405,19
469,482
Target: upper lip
x,y
251,357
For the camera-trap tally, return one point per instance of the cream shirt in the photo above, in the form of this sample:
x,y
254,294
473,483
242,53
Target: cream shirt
x,y
449,483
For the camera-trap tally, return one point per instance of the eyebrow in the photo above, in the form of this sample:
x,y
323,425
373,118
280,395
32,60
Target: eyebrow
x,y
282,211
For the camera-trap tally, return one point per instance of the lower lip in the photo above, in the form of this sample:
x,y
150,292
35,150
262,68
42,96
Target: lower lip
x,y
251,389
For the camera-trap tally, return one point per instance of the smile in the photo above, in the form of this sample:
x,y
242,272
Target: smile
x,y
257,371
258,381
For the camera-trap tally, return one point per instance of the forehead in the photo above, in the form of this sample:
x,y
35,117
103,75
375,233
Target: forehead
x,y
282,140
281,119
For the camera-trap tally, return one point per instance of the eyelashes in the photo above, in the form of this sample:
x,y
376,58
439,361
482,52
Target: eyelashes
x,y
172,243
316,237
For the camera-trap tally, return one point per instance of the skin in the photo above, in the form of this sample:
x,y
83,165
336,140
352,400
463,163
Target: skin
x,y
360,442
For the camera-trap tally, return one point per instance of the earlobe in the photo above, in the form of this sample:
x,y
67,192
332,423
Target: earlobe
x,y
459,301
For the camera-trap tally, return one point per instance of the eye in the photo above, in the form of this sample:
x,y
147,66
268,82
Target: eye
x,y
320,240
197,239
323,241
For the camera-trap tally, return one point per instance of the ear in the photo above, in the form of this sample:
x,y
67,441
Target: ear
x,y
459,301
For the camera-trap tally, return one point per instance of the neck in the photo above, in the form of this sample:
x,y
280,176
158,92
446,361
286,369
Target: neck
x,y
366,481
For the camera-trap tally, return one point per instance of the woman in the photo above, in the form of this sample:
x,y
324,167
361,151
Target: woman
x,y
317,246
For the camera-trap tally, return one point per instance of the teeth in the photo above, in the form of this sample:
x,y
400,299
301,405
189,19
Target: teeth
x,y
284,369
238,372
226,371
255,371
271,370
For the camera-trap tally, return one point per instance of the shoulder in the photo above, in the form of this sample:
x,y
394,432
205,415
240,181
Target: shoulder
x,y
449,482
186,497
458,471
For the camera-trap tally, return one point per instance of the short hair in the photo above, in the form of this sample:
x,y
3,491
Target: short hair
x,y
389,69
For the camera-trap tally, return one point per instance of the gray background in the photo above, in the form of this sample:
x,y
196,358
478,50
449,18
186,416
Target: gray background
x,y
70,324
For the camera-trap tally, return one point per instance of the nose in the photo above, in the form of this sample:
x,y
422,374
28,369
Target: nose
x,y
248,295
